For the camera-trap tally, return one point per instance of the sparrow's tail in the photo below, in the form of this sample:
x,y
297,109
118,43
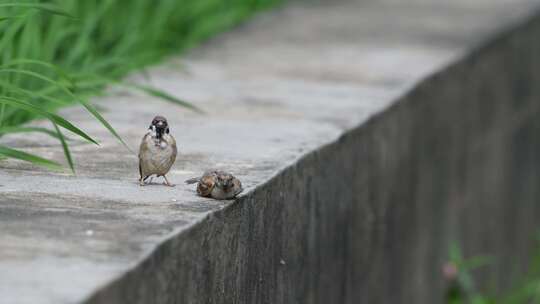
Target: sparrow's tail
x,y
192,180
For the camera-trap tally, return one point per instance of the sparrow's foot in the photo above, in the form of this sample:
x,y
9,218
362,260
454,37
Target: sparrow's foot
x,y
166,183
142,183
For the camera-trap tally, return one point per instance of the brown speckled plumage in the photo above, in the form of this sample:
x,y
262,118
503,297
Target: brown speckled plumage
x,y
157,151
217,184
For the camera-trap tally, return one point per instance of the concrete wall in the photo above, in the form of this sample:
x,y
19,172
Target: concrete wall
x,y
368,218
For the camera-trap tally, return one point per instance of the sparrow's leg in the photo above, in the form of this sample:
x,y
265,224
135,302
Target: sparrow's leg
x,y
142,180
167,182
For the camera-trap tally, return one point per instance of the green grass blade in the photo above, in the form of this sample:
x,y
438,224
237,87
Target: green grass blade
x,y
88,107
33,95
19,129
2,113
63,74
147,90
50,60
10,17
65,148
49,8
162,95
34,159
51,116
104,122
33,74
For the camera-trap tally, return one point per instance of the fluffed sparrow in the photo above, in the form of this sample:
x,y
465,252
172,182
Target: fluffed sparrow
x,y
157,151
217,184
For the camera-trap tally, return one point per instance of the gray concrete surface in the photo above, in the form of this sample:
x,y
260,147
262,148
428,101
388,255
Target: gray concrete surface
x,y
338,208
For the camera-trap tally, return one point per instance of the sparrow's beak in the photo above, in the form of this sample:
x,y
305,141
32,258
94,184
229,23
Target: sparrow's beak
x,y
160,128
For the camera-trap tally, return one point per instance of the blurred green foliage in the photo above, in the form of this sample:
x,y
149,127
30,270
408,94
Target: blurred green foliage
x,y
462,288
57,52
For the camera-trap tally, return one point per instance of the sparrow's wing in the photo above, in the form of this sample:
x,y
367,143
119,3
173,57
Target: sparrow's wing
x,y
143,147
206,175
169,161
237,186
143,154
192,180
175,150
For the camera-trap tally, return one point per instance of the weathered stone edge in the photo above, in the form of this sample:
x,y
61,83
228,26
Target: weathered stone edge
x,y
369,216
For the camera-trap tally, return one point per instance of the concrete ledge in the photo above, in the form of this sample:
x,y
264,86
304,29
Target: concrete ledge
x,y
368,218
365,216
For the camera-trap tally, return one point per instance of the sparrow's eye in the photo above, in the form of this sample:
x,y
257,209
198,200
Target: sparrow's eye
x,y
167,131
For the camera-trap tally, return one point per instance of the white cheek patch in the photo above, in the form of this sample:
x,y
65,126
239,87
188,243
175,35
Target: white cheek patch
x,y
152,131
163,144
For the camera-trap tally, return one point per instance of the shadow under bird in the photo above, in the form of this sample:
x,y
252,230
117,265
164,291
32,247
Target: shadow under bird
x,y
157,152
217,184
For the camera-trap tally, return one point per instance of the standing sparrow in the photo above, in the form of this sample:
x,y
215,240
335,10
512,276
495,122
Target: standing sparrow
x,y
157,151
217,184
